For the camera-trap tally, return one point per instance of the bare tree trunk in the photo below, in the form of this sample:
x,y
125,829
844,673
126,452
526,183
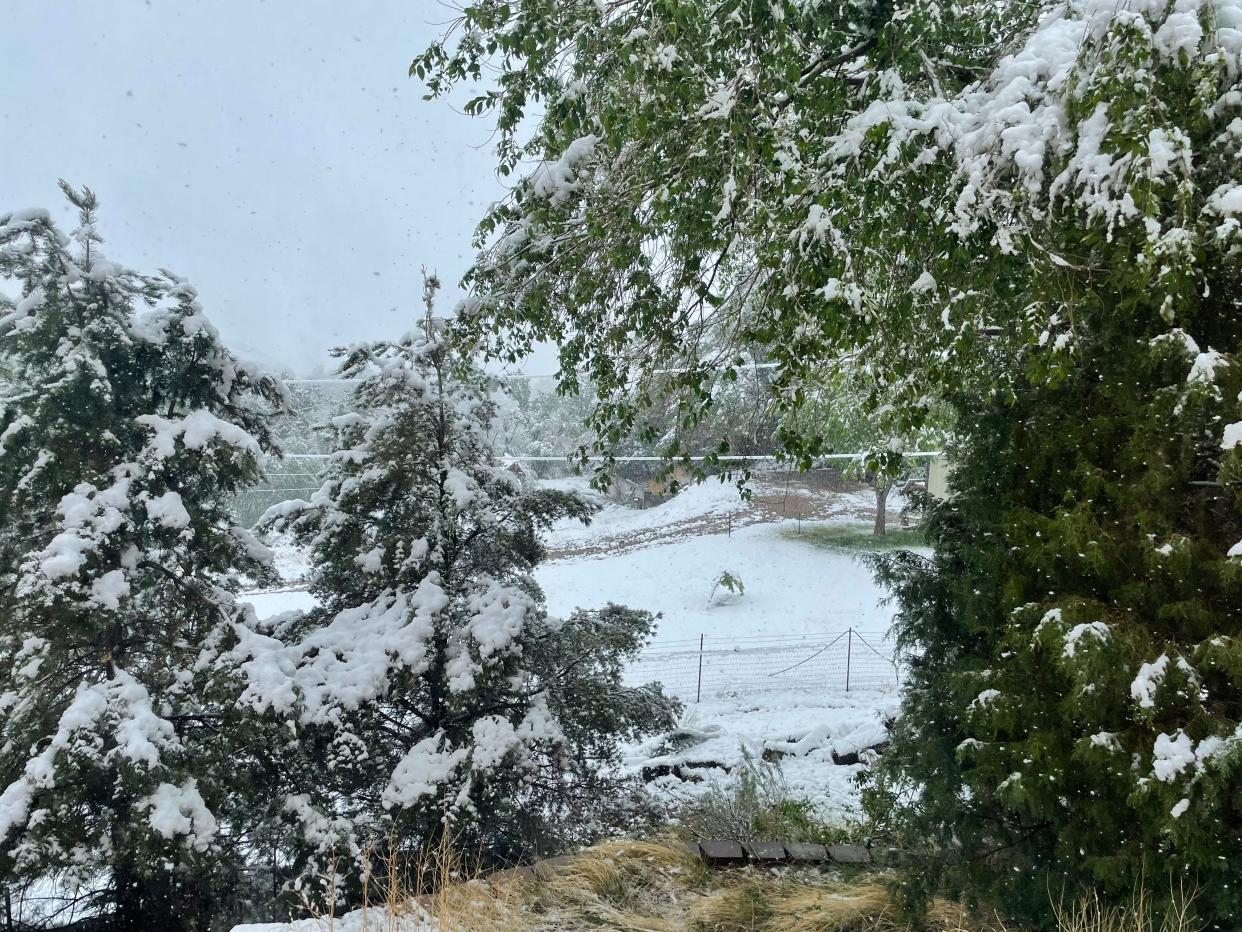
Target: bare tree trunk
x,y
882,486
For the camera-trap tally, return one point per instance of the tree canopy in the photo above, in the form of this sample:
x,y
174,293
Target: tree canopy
x,y
1032,212
822,179
700,189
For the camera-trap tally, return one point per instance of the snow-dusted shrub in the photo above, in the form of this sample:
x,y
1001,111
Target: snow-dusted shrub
x,y
125,425
433,691
754,803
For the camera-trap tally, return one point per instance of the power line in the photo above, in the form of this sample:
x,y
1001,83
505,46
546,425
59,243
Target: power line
x,y
770,457
527,375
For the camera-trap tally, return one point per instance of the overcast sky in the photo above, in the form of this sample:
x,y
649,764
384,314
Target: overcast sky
x,y
274,152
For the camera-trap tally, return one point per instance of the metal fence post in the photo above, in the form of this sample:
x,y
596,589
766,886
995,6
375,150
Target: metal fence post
x,y
698,691
849,652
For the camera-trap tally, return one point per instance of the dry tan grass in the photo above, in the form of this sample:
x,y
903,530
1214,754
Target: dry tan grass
x,y
865,906
619,885
658,886
1088,914
737,907
478,906
799,906
654,886
461,902
462,899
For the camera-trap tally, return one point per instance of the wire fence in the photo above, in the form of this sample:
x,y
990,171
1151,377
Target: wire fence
x,y
710,667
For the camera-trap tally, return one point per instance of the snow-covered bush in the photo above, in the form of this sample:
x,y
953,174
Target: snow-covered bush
x,y
125,424
434,693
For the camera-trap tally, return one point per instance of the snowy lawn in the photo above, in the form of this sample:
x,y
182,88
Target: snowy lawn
x,y
792,587
276,601
769,687
798,597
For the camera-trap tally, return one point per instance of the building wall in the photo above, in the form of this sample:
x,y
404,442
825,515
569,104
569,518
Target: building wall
x,y
938,477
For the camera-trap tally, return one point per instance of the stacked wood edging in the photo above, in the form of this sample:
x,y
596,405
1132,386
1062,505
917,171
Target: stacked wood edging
x,y
726,853
720,853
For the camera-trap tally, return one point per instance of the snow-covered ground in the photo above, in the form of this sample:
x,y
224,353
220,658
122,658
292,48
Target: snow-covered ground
x,y
715,507
273,602
762,674
791,587
771,684
362,920
814,738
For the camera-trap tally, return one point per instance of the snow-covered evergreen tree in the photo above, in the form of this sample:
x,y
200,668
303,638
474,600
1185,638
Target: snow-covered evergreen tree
x,y
126,424
433,689
1074,715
